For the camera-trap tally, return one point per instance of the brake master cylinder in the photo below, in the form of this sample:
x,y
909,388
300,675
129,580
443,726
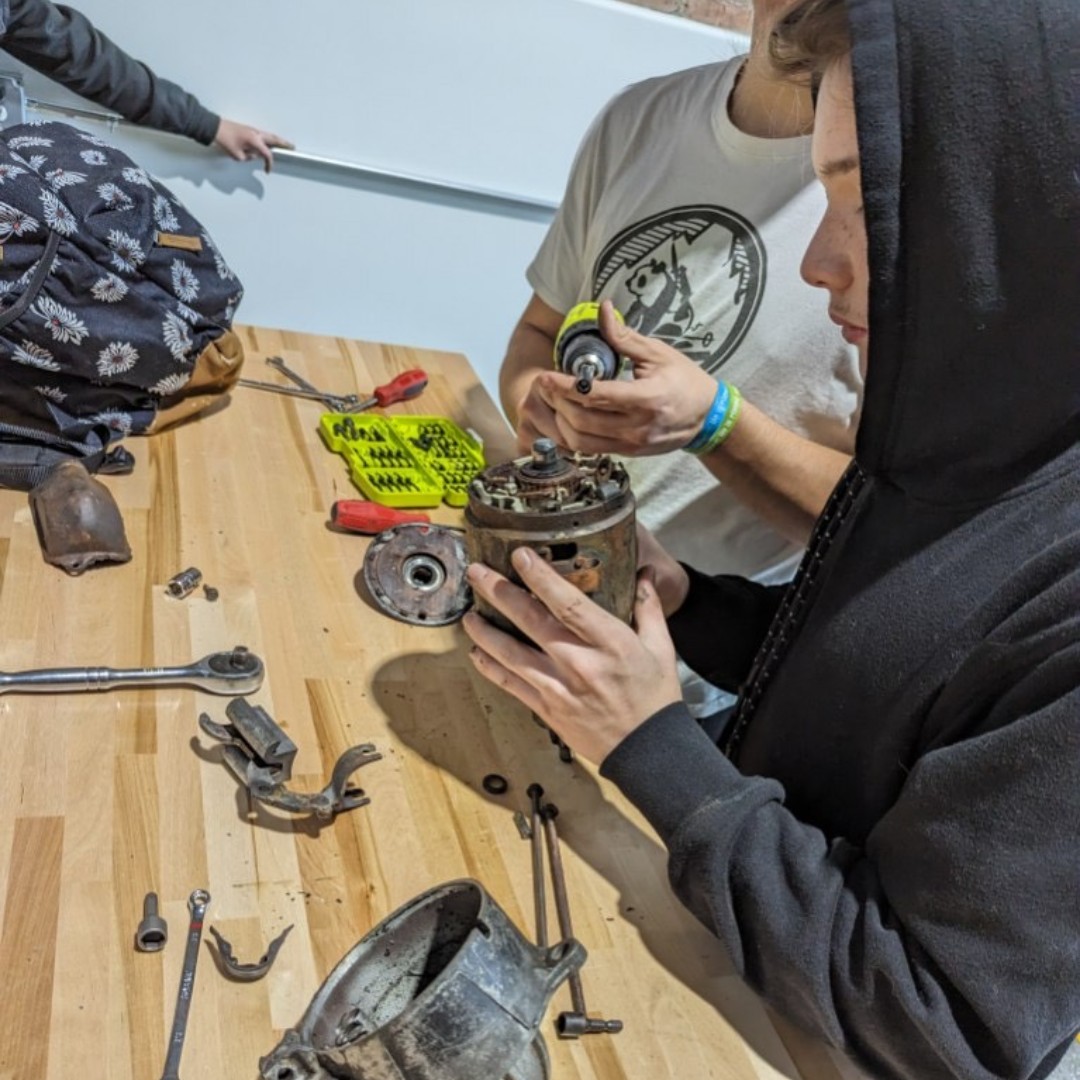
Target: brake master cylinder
x,y
575,511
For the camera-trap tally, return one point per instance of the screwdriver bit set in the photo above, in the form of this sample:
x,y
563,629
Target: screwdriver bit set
x,y
405,461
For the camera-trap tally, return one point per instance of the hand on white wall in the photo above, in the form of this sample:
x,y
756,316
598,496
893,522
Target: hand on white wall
x,y
243,142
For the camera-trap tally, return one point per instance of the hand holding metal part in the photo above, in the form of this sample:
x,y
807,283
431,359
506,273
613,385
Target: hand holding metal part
x,y
235,672
260,755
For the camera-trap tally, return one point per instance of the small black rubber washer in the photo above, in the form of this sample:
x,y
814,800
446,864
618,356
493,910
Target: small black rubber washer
x,y
494,784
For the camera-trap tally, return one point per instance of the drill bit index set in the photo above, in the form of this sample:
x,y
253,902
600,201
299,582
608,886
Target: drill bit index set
x,y
405,460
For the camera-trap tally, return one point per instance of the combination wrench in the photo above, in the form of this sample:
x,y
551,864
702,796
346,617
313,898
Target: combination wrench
x,y
235,672
197,903
350,400
340,403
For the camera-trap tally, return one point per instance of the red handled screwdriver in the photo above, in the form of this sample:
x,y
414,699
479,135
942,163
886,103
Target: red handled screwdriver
x,y
400,388
360,516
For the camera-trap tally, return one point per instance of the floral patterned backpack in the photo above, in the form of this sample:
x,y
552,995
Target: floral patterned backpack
x,y
115,306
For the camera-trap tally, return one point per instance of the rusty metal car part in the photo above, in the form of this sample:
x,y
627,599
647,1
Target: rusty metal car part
x,y
231,968
78,522
235,672
415,572
446,988
184,583
260,755
575,511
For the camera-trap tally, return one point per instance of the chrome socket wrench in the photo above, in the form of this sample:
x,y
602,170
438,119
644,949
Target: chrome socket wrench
x,y
235,672
197,904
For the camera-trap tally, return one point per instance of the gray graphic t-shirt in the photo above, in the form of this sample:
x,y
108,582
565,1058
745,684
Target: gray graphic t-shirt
x,y
696,232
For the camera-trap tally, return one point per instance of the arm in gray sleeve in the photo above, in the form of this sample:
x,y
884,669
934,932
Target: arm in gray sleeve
x,y
946,947
61,43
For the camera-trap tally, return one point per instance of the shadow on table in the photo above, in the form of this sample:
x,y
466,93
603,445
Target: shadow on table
x,y
425,697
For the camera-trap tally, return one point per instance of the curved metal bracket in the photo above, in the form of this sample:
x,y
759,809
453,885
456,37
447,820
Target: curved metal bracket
x,y
260,755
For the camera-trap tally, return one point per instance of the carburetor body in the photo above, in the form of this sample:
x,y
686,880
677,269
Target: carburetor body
x,y
576,511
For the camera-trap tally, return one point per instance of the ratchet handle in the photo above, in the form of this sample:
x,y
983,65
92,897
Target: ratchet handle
x,y
236,672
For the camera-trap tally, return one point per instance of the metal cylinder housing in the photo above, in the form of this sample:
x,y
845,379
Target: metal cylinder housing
x,y
446,988
576,511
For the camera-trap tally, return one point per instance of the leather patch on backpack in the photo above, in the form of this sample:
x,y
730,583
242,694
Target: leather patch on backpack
x,y
178,240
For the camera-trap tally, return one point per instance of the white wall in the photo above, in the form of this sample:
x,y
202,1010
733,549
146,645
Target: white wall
x,y
489,93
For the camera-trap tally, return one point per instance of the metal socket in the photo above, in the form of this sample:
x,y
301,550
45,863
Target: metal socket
x,y
153,931
184,583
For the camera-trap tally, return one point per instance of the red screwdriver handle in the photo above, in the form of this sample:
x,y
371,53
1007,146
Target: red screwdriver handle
x,y
402,387
358,515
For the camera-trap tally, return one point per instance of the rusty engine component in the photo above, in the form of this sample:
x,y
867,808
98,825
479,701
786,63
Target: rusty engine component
x,y
415,572
446,988
575,511
77,519
260,755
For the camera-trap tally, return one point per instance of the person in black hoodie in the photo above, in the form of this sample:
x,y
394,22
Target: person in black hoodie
x,y
889,846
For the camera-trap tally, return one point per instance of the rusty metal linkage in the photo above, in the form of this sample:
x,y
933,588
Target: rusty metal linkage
x,y
260,755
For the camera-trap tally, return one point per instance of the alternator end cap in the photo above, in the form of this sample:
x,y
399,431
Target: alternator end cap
x,y
416,573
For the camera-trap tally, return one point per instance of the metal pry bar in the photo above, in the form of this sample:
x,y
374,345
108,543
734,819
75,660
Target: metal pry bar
x,y
235,672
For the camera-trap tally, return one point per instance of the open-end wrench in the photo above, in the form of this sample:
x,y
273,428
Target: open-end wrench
x,y
197,903
234,672
349,400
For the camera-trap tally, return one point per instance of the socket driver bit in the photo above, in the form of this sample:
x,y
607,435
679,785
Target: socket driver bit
x,y
153,931
236,672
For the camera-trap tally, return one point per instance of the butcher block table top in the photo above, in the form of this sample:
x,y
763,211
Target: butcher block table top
x,y
106,796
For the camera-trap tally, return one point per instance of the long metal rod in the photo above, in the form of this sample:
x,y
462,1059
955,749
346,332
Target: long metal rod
x,y
562,900
536,793
354,168
376,172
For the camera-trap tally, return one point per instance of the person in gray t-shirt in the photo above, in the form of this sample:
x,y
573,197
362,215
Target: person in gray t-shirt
x,y
63,44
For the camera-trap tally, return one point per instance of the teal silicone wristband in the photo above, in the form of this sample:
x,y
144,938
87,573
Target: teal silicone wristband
x,y
726,426
713,419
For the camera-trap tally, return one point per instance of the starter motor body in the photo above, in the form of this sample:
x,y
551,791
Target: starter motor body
x,y
576,511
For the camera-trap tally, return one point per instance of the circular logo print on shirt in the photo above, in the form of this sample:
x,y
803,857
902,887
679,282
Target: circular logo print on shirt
x,y
692,277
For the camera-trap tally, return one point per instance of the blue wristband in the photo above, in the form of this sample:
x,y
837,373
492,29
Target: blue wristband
x,y
713,419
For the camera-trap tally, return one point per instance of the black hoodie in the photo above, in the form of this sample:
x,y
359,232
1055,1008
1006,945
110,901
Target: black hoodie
x,y
895,861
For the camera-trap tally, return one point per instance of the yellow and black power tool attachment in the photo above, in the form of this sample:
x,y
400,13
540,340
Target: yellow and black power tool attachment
x,y
580,348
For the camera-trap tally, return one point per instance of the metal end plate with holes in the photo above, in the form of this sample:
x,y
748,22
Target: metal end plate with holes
x,y
416,573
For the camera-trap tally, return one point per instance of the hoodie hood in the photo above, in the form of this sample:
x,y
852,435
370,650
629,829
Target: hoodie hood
x,y
968,118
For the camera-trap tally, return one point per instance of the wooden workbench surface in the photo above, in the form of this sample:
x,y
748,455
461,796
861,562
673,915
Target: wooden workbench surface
x,y
106,796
